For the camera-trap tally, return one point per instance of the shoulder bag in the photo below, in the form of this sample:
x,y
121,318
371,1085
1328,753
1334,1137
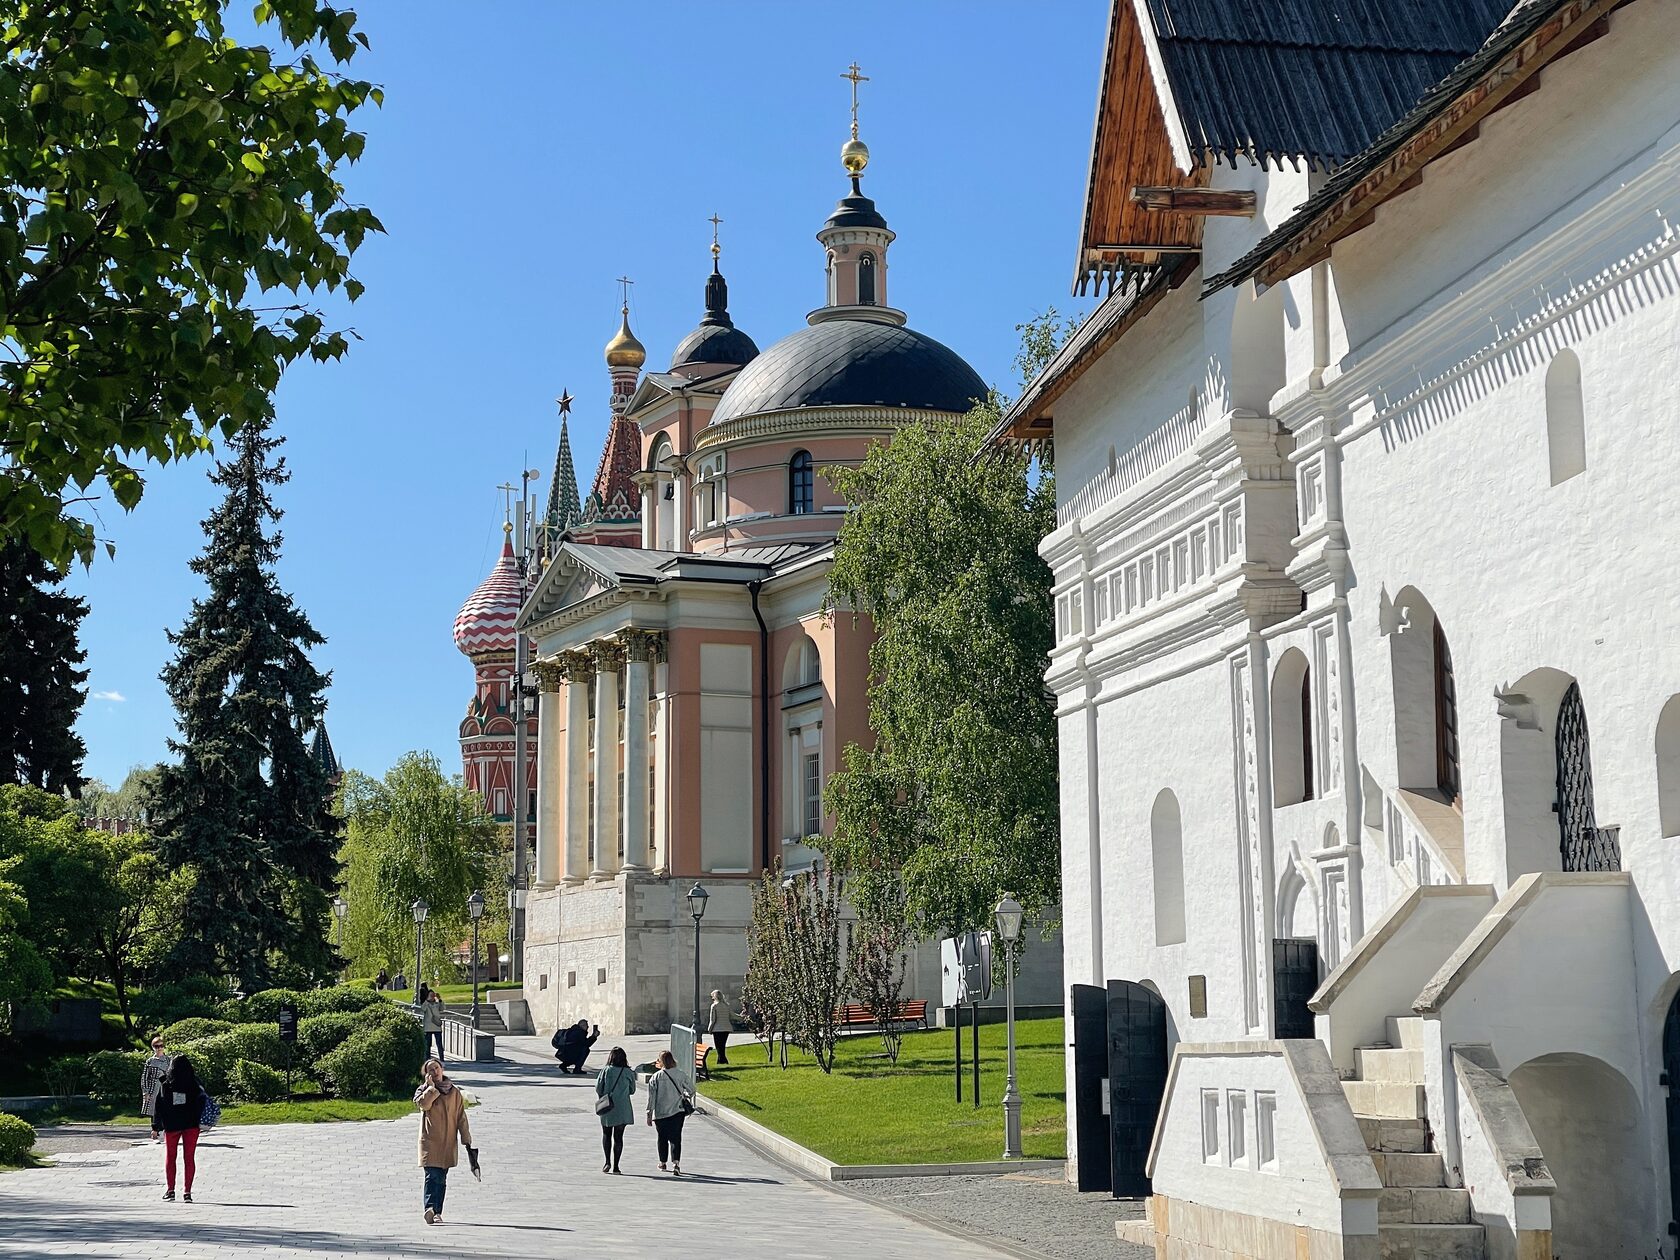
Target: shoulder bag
x,y
604,1103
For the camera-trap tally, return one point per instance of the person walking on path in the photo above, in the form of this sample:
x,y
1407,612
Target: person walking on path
x,y
443,1127
151,1081
179,1112
613,1086
668,1106
431,1022
720,1022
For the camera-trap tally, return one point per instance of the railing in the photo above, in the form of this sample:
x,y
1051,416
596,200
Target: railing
x,y
1414,848
460,1039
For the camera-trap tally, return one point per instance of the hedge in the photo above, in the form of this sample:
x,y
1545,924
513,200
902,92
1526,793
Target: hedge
x,y
17,1139
264,1007
113,1076
253,1082
337,1000
166,1003
191,1029
319,1035
375,1062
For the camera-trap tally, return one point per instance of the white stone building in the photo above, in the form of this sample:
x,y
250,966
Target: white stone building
x,y
1366,469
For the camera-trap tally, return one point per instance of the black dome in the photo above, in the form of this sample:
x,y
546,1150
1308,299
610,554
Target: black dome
x,y
852,363
716,340
715,343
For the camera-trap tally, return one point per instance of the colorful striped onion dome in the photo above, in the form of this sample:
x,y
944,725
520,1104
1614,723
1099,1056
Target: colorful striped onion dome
x,y
485,622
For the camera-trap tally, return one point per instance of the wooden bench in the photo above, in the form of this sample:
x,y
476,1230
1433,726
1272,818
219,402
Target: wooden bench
x,y
702,1061
857,1015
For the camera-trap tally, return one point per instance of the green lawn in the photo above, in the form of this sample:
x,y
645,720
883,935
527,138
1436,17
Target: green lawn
x,y
459,994
870,1111
300,1110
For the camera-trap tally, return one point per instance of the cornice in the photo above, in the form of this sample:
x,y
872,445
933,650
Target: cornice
x,y
766,425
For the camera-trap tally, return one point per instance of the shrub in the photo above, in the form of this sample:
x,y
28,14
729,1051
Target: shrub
x,y
213,1059
389,1013
337,1000
191,1029
375,1062
264,1007
254,1082
260,1043
113,1076
166,1003
64,1076
17,1139
319,1035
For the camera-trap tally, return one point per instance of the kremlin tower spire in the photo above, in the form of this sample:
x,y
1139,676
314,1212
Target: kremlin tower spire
x,y
564,510
612,514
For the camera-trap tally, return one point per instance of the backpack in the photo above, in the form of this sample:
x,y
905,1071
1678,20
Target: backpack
x,y
210,1115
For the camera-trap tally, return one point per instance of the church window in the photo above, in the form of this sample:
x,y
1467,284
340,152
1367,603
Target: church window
x,y
1166,846
1446,720
866,280
1668,767
811,783
1566,436
833,297
1292,730
810,663
801,484
501,802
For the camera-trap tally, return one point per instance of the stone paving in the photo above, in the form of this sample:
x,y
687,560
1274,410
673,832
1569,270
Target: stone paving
x,y
332,1190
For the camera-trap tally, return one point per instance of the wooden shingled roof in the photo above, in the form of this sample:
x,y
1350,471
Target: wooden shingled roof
x,y
1130,147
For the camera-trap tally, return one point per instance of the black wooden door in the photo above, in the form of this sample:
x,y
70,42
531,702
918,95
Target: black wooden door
x,y
1090,1078
1137,1081
1671,1078
1294,981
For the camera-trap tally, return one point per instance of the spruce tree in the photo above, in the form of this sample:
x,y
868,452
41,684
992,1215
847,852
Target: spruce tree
x,y
247,804
41,685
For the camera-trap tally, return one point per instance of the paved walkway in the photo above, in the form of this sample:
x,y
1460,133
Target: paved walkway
x,y
333,1190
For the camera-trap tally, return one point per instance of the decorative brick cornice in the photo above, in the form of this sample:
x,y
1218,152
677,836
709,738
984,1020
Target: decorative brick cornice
x,y
826,420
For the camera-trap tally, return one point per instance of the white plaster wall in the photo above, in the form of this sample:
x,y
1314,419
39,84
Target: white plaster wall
x,y
1299,1190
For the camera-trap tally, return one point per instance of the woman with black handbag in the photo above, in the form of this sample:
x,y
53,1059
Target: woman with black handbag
x,y
669,1104
613,1086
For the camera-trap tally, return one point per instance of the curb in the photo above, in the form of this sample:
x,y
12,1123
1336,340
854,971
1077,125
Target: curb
x,y
808,1161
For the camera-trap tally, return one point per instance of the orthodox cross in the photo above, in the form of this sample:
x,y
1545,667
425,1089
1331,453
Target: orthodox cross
x,y
856,78
565,402
624,286
507,488
714,221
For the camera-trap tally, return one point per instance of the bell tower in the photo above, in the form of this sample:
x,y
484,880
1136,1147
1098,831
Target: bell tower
x,y
855,239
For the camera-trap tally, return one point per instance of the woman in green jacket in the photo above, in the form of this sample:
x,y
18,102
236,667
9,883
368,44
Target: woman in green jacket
x,y
614,1085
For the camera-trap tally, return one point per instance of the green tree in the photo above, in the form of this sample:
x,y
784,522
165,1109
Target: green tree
x,y
159,182
131,802
958,797
58,871
416,833
247,805
876,968
136,921
42,684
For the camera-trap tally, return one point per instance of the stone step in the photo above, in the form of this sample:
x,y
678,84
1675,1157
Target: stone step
x,y
1405,1031
1386,1100
1376,1063
1413,1169
1394,1135
1424,1205
1432,1242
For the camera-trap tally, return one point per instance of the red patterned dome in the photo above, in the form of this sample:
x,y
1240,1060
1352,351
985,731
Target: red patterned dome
x,y
485,622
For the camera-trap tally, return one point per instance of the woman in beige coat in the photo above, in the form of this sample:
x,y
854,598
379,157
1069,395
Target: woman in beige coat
x,y
443,1124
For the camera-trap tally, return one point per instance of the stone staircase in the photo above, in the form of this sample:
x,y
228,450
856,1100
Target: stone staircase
x,y
1419,1216
489,1018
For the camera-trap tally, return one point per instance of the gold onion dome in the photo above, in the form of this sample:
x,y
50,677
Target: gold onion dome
x,y
854,156
624,351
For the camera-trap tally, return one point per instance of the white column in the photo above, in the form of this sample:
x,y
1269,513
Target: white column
x,y
578,667
550,811
608,657
640,646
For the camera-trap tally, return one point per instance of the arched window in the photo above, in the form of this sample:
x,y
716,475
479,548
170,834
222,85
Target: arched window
x,y
1166,847
1566,433
803,665
1446,721
801,484
663,503
1292,730
1668,767
833,296
866,280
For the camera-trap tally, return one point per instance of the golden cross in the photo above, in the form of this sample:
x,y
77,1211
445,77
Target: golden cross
x,y
714,221
565,402
626,282
856,78
507,489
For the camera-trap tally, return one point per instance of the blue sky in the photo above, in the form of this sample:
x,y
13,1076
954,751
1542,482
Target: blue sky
x,y
527,154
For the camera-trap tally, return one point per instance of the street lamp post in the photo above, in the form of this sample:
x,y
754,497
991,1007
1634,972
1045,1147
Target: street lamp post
x,y
475,912
697,907
421,910
340,908
516,912
1009,916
